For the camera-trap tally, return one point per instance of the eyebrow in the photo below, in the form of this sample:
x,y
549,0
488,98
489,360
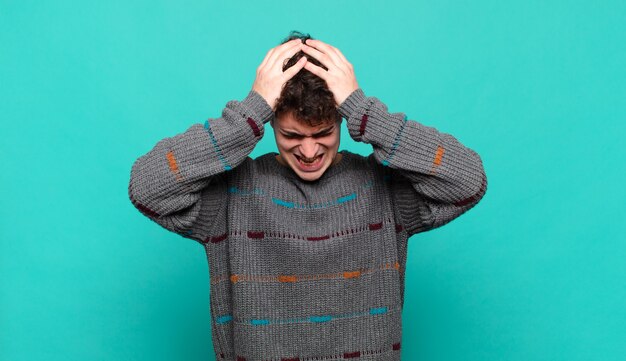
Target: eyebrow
x,y
326,130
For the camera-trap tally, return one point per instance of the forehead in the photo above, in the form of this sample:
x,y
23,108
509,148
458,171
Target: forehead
x,y
288,122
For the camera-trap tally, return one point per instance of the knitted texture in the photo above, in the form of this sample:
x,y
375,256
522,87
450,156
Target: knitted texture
x,y
306,270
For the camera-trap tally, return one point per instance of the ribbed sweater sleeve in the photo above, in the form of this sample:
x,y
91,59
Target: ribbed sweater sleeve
x,y
178,183
437,177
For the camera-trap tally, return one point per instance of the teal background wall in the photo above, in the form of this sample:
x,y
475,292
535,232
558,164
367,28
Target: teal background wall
x,y
535,272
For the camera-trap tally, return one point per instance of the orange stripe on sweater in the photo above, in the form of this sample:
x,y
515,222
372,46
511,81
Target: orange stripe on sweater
x,y
287,278
234,278
438,155
171,161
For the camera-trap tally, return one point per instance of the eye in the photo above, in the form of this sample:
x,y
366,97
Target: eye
x,y
322,135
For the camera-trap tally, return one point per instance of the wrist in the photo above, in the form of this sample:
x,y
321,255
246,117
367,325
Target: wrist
x,y
352,103
259,106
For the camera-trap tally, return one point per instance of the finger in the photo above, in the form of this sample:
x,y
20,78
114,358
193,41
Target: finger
x,y
280,55
273,50
267,56
336,51
340,54
289,73
326,49
323,58
317,70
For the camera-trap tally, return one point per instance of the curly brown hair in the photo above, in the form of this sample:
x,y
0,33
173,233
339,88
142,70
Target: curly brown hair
x,y
306,96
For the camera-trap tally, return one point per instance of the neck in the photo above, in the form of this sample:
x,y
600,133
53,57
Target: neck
x,y
337,158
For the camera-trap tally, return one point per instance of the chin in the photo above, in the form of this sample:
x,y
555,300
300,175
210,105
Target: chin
x,y
310,177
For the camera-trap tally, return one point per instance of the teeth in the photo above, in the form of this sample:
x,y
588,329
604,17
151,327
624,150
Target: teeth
x,y
309,162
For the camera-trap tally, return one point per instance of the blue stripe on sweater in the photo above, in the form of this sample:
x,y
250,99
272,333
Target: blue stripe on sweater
x,y
396,142
315,319
224,319
339,200
280,202
245,192
216,146
290,204
378,311
349,197
320,318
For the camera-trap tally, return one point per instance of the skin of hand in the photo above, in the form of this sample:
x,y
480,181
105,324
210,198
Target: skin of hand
x,y
339,77
270,77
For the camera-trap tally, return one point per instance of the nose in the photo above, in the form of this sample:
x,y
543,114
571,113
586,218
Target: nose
x,y
309,147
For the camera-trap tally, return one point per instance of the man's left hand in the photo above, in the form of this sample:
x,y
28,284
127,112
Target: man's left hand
x,y
340,75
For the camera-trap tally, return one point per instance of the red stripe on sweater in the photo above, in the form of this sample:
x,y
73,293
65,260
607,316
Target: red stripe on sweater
x,y
321,238
216,239
363,124
472,198
255,128
258,235
143,208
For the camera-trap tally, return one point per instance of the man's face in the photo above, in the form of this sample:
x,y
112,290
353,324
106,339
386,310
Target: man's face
x,y
309,151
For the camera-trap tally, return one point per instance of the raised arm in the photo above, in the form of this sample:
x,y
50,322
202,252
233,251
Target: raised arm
x,y
435,177
177,180
180,182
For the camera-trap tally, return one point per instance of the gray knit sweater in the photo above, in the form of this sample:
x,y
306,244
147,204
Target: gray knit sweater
x,y
306,270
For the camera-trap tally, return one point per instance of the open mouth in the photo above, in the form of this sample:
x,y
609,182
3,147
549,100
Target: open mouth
x,y
310,163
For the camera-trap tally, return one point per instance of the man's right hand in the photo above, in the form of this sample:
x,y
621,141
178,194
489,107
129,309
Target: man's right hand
x,y
270,77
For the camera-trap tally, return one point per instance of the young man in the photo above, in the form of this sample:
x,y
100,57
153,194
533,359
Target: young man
x,y
306,248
